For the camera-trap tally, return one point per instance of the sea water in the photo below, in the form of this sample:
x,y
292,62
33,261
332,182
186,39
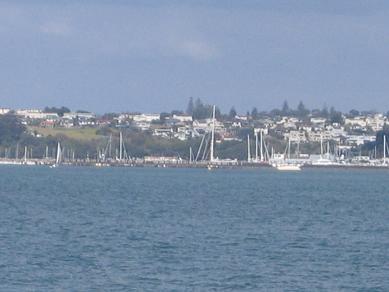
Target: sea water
x,y
149,229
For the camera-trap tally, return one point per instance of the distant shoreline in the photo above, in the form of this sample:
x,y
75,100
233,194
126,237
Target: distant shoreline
x,y
201,165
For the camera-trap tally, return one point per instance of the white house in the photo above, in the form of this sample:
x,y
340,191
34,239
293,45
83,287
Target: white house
x,y
4,111
36,114
145,117
183,118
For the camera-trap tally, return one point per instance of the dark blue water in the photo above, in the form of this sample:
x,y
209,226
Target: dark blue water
x,y
134,229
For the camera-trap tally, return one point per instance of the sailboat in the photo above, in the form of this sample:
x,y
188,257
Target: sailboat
x,y
58,158
211,156
287,165
324,159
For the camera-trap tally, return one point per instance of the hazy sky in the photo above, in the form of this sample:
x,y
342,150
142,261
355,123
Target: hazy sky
x,y
153,55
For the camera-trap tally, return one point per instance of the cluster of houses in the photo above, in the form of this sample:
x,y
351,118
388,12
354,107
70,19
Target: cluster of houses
x,y
353,131
40,118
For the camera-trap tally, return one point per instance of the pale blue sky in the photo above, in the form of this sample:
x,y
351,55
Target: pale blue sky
x,y
153,55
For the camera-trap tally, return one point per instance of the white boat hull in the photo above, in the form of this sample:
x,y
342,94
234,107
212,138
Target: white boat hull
x,y
288,167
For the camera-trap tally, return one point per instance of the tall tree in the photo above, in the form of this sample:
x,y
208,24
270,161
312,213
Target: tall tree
x,y
254,113
190,107
335,116
203,111
285,108
232,114
324,112
302,111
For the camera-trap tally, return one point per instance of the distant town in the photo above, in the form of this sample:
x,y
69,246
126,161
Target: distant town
x,y
199,135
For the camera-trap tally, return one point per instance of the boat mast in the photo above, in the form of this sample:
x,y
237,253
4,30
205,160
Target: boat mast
x,y
248,149
384,149
120,146
58,160
25,153
199,150
256,146
110,146
321,145
261,142
17,151
289,148
211,156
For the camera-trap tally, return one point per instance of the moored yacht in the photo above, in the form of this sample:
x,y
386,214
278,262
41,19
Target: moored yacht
x,y
287,167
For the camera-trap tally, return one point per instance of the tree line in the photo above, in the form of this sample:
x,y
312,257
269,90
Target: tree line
x,y
200,110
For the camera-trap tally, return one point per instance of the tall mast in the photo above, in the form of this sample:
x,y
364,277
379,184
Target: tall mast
x,y
199,150
321,145
17,151
256,146
25,153
289,148
261,133
110,146
248,149
58,160
120,146
384,149
211,156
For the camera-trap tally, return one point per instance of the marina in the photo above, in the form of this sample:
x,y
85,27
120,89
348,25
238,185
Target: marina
x,y
262,156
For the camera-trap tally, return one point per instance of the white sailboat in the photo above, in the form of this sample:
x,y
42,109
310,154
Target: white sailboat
x,y
287,165
324,159
59,156
211,155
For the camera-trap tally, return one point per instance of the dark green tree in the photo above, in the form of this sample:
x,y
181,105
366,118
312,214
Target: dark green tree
x,y
11,129
285,108
335,116
254,113
354,113
60,111
302,111
324,112
190,107
232,114
203,111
